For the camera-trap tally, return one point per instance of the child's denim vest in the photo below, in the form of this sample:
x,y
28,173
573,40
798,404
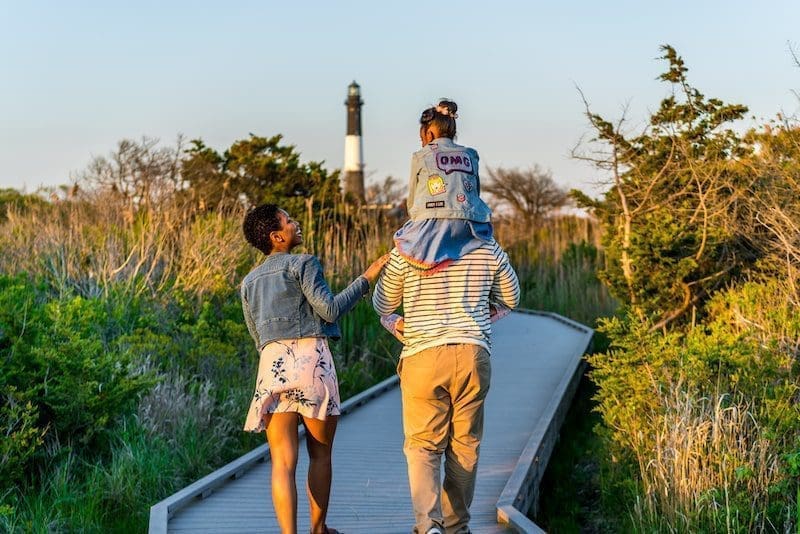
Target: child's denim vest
x,y
444,183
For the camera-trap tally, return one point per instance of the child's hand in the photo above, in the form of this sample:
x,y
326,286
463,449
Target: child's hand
x,y
497,311
394,323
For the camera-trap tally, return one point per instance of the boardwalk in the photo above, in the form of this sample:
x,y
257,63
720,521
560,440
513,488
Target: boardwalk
x,y
532,357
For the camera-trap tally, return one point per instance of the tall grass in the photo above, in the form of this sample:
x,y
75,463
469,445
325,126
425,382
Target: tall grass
x,y
175,263
711,467
93,243
557,261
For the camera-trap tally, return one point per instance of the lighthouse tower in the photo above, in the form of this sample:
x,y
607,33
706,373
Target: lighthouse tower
x,y
353,148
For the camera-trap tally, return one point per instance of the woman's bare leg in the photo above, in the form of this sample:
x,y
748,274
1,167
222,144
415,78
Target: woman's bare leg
x,y
282,437
319,441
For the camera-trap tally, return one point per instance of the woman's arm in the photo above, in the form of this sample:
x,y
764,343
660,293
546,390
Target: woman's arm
x,y
320,296
248,317
329,306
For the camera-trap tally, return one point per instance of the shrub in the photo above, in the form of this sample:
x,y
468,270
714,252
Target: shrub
x,y
21,437
62,373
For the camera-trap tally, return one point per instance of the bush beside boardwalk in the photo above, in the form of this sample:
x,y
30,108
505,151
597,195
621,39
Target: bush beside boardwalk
x,y
698,389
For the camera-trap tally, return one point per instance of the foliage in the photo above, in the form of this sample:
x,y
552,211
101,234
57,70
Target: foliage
x,y
706,417
11,199
389,192
698,390
775,199
65,379
258,170
141,174
557,262
21,436
92,242
672,218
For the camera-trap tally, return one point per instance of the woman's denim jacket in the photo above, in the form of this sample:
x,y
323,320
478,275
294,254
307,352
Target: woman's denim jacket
x,y
444,183
287,297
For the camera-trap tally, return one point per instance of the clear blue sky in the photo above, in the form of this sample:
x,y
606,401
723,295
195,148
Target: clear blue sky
x,y
76,77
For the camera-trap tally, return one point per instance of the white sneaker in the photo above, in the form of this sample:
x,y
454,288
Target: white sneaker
x,y
434,530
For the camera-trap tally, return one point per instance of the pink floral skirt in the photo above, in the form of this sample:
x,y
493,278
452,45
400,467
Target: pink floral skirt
x,y
294,375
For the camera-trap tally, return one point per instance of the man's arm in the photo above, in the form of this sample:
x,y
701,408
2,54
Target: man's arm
x,y
388,294
505,287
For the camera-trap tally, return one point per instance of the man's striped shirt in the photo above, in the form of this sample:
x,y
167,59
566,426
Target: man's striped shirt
x,y
450,305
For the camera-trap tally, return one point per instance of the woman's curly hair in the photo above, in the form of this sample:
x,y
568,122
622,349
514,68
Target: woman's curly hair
x,y
259,223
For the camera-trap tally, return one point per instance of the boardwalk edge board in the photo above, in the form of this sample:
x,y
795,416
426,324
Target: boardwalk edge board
x,y
521,493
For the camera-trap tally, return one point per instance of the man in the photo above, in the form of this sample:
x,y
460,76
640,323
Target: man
x,y
444,374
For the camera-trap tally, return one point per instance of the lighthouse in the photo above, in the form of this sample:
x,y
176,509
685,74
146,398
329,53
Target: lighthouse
x,y
353,148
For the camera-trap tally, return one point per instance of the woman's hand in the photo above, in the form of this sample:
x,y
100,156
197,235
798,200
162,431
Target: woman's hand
x,y
374,271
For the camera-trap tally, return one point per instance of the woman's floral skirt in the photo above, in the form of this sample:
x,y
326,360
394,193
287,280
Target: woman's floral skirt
x,y
294,375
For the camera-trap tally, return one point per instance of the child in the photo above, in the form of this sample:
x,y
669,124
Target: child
x,y
447,216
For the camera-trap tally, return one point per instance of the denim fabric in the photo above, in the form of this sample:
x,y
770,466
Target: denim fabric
x,y
434,243
444,183
287,297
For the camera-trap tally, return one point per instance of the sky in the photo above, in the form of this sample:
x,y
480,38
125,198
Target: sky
x,y
77,77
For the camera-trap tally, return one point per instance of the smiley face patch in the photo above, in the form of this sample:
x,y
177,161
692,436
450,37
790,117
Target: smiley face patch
x,y
436,185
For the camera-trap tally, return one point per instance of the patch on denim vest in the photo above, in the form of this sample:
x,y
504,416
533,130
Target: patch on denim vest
x,y
436,185
454,161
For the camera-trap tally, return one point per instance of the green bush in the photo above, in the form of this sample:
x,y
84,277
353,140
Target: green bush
x,y
21,437
63,375
718,400
87,382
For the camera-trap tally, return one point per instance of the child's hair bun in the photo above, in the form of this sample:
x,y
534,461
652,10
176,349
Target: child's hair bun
x,y
447,107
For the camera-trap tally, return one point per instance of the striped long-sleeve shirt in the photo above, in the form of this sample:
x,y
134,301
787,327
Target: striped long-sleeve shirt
x,y
451,305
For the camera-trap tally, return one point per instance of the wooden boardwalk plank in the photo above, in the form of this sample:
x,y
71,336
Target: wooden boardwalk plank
x,y
370,489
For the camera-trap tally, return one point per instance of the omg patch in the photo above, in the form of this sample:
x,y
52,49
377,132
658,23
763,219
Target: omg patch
x,y
454,161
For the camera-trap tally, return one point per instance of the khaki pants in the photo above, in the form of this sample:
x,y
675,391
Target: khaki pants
x,y
443,390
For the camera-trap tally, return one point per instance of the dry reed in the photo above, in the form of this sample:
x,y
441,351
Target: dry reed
x,y
90,244
706,452
175,402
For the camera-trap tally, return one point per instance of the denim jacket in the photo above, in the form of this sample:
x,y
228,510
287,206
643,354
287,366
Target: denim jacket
x,y
287,297
444,183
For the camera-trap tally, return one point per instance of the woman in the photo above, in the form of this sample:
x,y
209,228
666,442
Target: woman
x,y
291,312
